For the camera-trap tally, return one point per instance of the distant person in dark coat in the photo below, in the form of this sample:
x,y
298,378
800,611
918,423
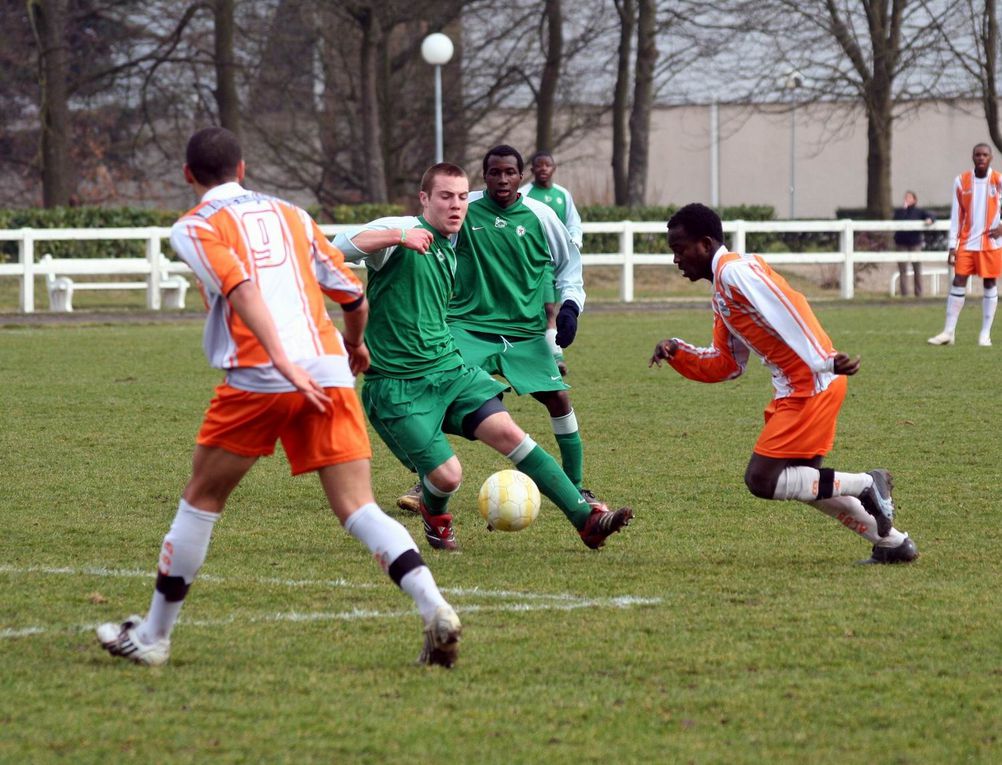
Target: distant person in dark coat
x,y
910,241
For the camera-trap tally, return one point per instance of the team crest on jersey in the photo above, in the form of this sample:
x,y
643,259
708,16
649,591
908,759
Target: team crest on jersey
x,y
520,230
547,198
721,305
500,222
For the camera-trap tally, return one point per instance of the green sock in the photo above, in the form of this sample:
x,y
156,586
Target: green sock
x,y
434,503
572,455
554,484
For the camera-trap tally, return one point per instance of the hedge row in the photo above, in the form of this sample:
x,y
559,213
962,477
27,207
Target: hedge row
x,y
127,217
132,217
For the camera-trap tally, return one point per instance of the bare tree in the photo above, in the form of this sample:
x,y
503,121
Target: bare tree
x,y
643,98
621,100
879,54
227,101
977,21
552,20
48,20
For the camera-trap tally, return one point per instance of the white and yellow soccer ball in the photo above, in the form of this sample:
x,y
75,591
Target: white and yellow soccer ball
x,y
509,501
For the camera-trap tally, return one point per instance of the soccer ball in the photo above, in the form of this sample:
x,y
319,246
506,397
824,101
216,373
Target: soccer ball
x,y
509,501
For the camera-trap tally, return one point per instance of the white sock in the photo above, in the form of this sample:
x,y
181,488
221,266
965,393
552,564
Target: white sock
x,y
181,555
551,340
989,303
565,424
394,549
850,513
954,304
802,482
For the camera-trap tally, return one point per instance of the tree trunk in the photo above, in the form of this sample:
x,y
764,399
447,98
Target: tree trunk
x,y
48,18
372,149
227,101
879,121
620,100
989,87
643,95
551,75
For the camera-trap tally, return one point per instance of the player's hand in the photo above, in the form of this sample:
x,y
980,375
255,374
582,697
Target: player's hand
x,y
418,239
567,323
358,357
844,365
309,387
951,258
663,351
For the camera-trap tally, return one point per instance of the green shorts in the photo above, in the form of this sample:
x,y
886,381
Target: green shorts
x,y
528,365
412,416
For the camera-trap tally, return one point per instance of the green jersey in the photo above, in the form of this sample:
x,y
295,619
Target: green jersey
x,y
408,295
558,199
504,258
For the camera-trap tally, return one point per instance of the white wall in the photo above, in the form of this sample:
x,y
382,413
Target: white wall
x,y
931,144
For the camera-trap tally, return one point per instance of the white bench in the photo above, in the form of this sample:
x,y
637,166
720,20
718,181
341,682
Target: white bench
x,y
933,274
57,271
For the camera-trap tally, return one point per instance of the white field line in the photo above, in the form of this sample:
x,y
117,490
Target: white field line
x,y
522,601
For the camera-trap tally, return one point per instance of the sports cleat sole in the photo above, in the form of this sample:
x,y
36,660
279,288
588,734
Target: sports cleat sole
x,y
411,501
879,502
617,520
120,640
906,552
441,639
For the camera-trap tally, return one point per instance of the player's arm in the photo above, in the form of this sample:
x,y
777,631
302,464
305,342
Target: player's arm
x,y
573,221
249,305
780,313
375,242
955,213
567,272
725,359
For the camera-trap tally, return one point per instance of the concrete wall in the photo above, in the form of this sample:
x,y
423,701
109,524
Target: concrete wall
x,y
932,143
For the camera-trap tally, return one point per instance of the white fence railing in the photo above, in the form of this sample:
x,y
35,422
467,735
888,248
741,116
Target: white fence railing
x,y
845,257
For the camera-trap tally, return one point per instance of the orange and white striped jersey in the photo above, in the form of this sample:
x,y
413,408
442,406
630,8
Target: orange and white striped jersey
x,y
235,235
754,309
975,210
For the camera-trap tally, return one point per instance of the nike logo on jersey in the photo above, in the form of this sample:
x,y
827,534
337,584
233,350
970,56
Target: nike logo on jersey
x,y
554,378
478,228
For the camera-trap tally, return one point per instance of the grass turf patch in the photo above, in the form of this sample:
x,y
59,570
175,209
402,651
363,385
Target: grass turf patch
x,y
744,633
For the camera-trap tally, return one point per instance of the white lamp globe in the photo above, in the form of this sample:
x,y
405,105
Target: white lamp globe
x,y
437,49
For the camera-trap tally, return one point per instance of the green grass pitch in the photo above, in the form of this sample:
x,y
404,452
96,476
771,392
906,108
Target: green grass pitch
x,y
716,628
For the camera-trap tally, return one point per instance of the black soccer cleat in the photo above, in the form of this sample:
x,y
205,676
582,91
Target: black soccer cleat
x,y
906,552
877,501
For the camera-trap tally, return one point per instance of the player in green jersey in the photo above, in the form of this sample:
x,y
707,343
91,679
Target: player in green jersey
x,y
559,199
508,250
418,387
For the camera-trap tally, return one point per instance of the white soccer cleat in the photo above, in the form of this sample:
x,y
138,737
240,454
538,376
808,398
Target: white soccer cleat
x,y
121,640
943,338
441,638
985,341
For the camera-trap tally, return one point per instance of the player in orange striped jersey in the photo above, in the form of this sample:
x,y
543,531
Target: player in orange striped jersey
x,y
754,309
264,267
975,238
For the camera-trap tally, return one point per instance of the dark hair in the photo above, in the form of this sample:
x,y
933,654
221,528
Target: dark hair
x,y
698,221
504,150
442,168
540,154
212,155
987,146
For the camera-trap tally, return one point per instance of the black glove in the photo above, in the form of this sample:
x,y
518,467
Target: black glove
x,y
567,323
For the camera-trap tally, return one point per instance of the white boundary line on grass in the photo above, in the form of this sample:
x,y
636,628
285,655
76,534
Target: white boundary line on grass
x,y
523,600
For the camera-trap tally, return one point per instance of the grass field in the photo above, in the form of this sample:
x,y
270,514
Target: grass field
x,y
717,628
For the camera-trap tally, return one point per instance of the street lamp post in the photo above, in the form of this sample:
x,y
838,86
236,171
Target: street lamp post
x,y
794,80
436,49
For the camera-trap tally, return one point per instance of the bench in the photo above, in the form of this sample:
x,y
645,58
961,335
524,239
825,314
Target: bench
x,y
60,285
933,274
